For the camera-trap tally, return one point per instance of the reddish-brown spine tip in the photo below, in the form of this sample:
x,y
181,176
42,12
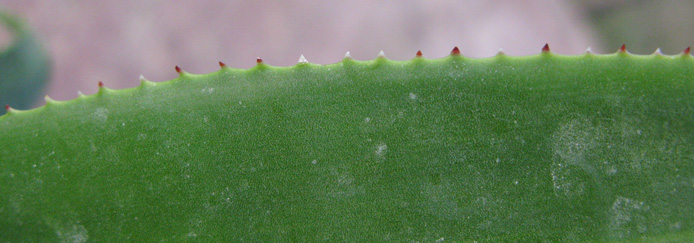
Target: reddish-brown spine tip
x,y
101,84
545,48
221,64
178,69
455,51
419,53
7,107
258,61
686,51
623,48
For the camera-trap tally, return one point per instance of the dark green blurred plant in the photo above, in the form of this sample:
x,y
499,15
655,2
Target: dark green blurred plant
x,y
24,65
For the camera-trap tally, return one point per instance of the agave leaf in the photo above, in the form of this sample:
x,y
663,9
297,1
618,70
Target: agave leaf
x,y
530,149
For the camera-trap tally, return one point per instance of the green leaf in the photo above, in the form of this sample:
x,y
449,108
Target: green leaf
x,y
529,149
24,66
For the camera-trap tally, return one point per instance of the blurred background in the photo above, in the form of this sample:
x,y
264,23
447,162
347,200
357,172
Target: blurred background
x,y
116,41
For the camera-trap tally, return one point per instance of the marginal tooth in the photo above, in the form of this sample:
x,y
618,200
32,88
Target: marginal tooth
x,y
381,54
686,51
347,55
455,51
221,64
419,53
501,52
80,94
259,60
179,70
302,59
48,99
546,48
623,48
8,108
658,52
142,78
101,84
589,51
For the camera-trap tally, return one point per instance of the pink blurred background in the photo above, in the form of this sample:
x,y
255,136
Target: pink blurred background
x,y
116,41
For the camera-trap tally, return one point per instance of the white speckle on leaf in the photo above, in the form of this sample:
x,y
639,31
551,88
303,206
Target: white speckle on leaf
x,y
208,90
413,96
100,114
381,149
367,119
628,217
75,234
314,162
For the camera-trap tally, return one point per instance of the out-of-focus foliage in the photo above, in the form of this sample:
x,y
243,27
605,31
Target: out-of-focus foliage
x,y
24,66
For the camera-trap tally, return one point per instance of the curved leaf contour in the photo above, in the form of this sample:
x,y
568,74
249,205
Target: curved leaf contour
x,y
536,148
24,65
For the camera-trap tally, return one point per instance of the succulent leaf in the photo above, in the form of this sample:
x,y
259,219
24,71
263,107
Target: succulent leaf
x,y
537,148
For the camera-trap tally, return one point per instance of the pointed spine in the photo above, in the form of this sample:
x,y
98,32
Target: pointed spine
x,y
419,53
658,52
455,51
501,52
259,61
179,70
101,84
589,51
144,82
222,65
347,55
686,51
623,48
80,94
8,108
48,100
381,54
545,49
302,59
